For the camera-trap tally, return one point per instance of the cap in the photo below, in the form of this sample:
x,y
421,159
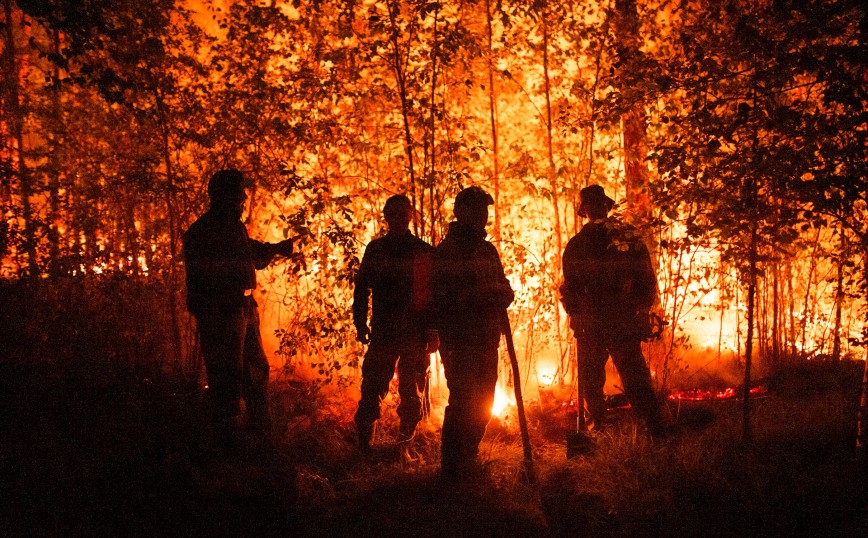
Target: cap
x,y
473,196
396,204
594,195
227,182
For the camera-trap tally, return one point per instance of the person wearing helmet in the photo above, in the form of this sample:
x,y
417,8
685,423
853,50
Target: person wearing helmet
x,y
395,278
471,294
609,288
221,263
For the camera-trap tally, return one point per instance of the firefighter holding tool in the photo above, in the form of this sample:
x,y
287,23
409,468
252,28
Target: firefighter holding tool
x,y
471,294
608,291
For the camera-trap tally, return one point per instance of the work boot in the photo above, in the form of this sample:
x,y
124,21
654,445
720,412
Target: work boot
x,y
655,423
364,432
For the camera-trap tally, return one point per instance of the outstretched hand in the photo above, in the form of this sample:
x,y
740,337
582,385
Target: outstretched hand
x,y
285,247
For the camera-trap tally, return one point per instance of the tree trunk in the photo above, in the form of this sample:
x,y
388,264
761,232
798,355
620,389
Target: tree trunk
x,y
492,114
839,297
862,420
553,181
862,424
598,66
722,313
809,284
431,169
633,121
400,80
776,314
552,169
132,234
761,317
748,352
737,320
54,168
18,161
791,314
172,213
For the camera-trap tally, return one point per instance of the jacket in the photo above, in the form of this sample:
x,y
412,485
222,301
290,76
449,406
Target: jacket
x,y
471,292
608,274
395,274
221,262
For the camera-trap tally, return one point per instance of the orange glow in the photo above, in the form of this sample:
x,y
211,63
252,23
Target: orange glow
x,y
501,401
545,373
340,176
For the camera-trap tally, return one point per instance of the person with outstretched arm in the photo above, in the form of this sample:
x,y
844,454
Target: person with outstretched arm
x,y
221,262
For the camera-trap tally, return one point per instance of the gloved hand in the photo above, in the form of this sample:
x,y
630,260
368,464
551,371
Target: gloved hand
x,y
285,247
363,334
497,295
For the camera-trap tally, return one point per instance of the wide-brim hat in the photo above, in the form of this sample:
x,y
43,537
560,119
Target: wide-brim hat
x,y
594,195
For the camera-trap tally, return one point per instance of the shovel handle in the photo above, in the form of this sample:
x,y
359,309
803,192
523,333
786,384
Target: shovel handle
x,y
580,391
519,401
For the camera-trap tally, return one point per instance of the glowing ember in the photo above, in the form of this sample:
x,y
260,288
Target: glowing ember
x,y
699,395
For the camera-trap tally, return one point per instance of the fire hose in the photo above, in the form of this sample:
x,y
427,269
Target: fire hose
x,y
519,401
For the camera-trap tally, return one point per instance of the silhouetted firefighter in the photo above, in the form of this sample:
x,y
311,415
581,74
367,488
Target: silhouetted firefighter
x,y
608,291
221,263
396,274
471,295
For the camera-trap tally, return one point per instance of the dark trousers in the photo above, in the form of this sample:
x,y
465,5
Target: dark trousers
x,y
235,363
594,347
378,368
471,375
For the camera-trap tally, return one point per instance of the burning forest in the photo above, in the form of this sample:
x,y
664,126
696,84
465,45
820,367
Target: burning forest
x,y
730,137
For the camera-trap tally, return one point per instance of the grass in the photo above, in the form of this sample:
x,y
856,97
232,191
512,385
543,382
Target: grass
x,y
93,444
130,457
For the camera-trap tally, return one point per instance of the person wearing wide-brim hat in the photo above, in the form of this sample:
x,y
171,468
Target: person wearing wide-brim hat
x,y
471,294
594,198
609,288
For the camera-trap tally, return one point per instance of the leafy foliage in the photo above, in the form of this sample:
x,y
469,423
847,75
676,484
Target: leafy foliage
x,y
754,117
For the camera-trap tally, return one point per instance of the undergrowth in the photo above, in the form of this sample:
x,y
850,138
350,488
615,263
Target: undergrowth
x,y
88,447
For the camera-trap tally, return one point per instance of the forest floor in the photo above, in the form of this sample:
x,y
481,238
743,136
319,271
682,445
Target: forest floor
x,y
88,454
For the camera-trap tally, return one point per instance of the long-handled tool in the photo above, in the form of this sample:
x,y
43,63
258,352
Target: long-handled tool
x,y
578,441
519,401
